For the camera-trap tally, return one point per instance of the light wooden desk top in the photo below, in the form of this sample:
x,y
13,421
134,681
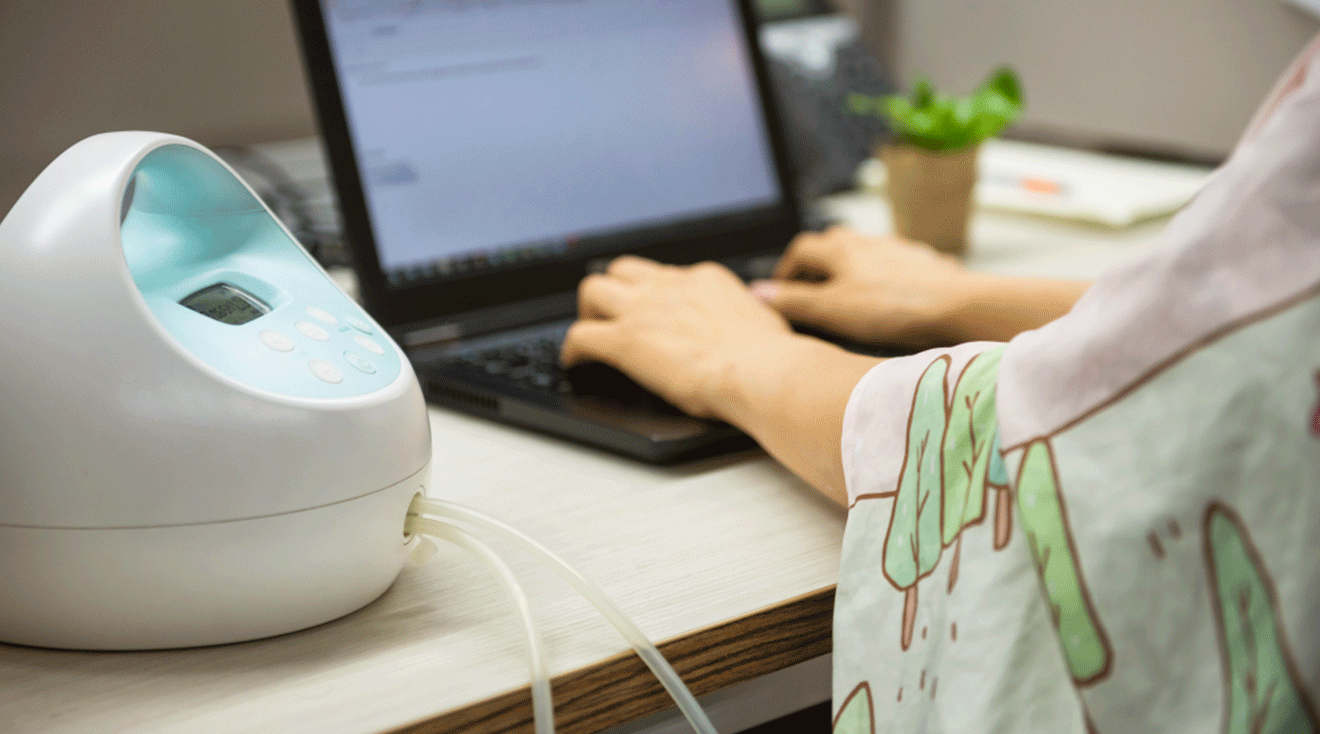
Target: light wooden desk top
x,y
730,563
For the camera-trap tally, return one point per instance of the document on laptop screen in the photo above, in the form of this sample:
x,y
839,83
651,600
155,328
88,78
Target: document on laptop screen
x,y
489,130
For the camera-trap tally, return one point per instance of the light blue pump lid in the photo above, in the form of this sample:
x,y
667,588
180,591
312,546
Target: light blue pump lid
x,y
260,310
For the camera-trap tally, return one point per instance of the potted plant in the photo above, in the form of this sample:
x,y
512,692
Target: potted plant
x,y
931,156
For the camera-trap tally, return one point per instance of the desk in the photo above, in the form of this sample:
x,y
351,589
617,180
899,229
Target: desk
x,y
730,563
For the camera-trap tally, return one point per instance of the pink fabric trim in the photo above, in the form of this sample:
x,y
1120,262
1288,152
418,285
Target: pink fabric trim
x,y
1289,82
1250,240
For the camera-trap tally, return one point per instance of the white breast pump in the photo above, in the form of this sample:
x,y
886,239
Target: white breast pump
x,y
202,439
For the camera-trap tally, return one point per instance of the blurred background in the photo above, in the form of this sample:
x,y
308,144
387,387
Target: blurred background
x,y
1172,77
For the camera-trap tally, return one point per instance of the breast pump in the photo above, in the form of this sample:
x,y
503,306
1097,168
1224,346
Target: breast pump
x,y
204,440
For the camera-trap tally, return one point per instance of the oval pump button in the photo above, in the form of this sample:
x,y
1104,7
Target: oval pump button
x,y
362,364
369,344
312,330
359,324
321,315
326,371
276,340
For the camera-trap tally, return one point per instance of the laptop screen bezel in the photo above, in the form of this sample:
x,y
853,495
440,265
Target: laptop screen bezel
x,y
762,229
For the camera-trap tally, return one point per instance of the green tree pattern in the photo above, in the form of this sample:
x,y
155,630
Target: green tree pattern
x,y
912,546
942,485
968,440
1045,521
856,716
967,444
953,459
1264,691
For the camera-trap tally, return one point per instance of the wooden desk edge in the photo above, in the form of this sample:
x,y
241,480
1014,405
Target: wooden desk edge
x,y
621,688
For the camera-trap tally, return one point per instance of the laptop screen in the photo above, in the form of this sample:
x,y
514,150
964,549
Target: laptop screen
x,y
494,134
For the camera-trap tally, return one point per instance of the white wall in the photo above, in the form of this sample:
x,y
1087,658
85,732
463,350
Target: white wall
x,y
219,71
1181,74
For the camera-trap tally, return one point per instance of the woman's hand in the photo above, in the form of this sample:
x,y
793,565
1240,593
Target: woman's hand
x,y
681,332
868,289
697,337
886,290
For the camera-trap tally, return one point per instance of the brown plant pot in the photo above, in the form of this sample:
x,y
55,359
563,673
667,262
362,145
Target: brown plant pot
x,y
930,193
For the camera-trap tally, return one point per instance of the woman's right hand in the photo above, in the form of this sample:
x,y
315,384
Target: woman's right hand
x,y
868,289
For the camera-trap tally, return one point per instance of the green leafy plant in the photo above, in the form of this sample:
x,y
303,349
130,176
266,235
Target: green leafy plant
x,y
938,121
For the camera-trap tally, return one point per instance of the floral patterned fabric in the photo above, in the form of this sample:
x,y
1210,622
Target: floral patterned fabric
x,y
1108,524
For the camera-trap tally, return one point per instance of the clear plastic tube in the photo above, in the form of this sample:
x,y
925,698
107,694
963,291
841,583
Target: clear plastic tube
x,y
543,708
672,683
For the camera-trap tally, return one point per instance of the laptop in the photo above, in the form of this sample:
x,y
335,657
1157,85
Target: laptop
x,y
487,154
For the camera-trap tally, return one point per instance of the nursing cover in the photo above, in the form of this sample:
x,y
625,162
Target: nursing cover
x,y
1111,523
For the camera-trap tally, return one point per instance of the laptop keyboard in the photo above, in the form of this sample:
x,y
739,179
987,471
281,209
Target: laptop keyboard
x,y
533,363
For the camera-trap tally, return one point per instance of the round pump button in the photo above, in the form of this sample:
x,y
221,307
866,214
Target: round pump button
x,y
312,330
362,364
276,340
321,315
369,344
326,371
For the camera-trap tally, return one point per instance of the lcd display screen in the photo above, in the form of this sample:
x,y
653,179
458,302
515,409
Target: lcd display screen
x,y
226,303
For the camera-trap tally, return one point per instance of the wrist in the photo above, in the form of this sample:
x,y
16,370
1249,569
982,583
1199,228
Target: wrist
x,y
790,394
750,374
999,307
758,386
967,312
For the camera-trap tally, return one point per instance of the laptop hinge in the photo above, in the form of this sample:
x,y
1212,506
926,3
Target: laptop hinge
x,y
486,320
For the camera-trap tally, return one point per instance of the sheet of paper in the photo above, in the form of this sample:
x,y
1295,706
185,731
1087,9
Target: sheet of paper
x,y
1072,184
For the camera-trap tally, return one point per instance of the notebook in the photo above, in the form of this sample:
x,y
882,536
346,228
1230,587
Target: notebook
x,y
487,154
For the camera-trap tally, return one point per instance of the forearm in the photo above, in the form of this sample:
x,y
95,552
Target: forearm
x,y
791,398
998,308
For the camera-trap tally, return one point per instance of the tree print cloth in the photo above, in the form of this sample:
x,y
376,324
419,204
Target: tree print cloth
x,y
1111,523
